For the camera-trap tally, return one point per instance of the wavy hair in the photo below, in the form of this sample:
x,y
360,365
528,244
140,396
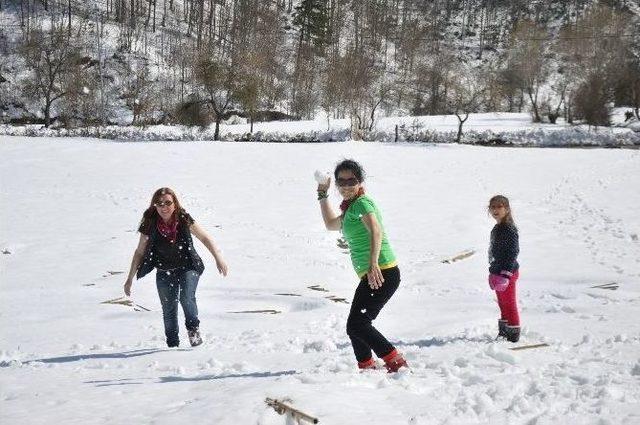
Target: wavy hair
x,y
150,215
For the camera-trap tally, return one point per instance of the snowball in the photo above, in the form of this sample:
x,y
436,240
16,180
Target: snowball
x,y
322,177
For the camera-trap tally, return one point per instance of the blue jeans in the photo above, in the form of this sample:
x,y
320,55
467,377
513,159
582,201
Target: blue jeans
x,y
174,285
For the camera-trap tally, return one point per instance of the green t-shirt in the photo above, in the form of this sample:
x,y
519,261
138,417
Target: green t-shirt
x,y
359,239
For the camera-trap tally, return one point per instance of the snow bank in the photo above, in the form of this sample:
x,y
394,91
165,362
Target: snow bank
x,y
490,129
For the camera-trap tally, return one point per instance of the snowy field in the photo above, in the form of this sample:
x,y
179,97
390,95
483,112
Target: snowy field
x,y
70,208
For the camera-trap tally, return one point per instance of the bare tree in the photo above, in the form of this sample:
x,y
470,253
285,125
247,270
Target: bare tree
x,y
140,93
50,56
527,61
597,53
357,85
218,81
464,96
431,83
81,103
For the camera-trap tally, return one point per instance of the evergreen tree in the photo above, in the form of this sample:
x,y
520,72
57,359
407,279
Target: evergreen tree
x,y
311,17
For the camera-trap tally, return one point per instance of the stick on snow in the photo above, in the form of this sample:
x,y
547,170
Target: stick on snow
x,y
126,302
613,286
461,256
526,347
317,288
282,408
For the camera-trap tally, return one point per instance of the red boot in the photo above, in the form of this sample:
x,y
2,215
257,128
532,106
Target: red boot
x,y
367,364
394,361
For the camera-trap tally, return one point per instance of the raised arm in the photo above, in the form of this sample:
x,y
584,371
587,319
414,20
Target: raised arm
x,y
332,221
207,241
135,262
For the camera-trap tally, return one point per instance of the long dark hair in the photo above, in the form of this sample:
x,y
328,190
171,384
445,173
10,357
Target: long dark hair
x,y
503,201
150,215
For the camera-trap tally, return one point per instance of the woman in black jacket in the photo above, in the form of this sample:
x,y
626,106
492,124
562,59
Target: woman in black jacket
x,y
504,267
166,244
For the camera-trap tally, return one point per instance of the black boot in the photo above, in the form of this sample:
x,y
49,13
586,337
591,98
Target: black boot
x,y
513,333
502,328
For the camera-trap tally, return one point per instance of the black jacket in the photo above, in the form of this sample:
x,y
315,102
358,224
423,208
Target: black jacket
x,y
504,248
193,259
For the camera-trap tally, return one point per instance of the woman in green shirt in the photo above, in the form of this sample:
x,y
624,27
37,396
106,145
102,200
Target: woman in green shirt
x,y
373,261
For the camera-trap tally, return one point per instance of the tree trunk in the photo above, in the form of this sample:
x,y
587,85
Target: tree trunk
x,y
460,123
216,135
146,22
132,22
47,111
482,28
534,105
373,111
100,64
200,22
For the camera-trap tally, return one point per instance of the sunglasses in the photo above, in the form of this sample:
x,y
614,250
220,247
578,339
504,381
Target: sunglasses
x,y
163,204
351,181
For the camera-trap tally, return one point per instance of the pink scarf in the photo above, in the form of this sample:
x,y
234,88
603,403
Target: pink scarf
x,y
168,230
344,206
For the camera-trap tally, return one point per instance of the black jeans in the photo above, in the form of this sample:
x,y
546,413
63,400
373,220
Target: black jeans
x,y
366,305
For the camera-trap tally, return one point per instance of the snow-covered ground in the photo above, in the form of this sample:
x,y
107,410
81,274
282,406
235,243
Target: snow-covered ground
x,y
70,208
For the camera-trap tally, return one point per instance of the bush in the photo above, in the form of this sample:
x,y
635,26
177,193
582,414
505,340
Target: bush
x,y
592,102
193,113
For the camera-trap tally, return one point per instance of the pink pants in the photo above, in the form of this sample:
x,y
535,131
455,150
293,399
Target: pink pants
x,y
507,302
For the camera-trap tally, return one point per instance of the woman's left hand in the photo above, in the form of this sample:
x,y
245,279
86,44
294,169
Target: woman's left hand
x,y
222,267
374,276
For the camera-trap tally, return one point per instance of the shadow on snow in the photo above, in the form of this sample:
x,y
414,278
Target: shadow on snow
x,y
79,357
165,379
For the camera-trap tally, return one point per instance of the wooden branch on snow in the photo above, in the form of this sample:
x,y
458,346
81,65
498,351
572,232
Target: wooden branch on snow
x,y
282,408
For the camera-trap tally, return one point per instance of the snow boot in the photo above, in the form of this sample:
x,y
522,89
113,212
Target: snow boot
x,y
368,364
513,333
394,361
502,328
194,337
173,340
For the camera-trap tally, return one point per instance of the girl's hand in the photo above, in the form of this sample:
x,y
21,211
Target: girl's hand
x,y
222,267
323,187
498,282
127,287
374,276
